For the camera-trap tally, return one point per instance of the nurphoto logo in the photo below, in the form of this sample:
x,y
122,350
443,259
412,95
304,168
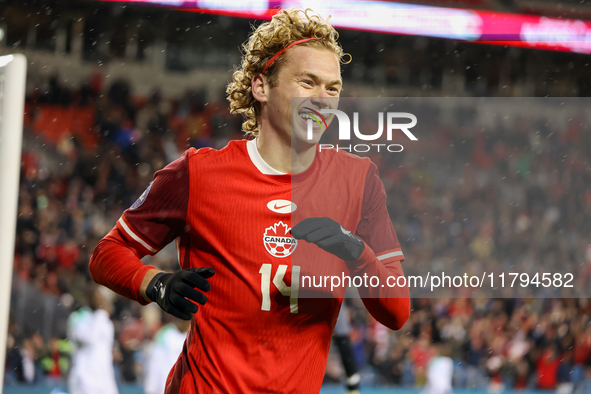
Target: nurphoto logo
x,y
345,129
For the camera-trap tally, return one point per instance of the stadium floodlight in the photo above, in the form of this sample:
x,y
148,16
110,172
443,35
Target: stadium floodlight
x,y
13,70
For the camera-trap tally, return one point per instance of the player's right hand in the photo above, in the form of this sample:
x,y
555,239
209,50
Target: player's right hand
x,y
174,292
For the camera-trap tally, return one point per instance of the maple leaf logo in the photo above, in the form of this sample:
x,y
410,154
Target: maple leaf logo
x,y
278,241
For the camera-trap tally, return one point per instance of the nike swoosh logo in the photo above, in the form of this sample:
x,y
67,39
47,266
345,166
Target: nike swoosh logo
x,y
282,206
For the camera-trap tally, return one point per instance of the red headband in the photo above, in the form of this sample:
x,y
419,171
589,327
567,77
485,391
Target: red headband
x,y
283,50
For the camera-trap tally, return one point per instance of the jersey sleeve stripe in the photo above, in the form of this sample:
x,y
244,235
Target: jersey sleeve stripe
x,y
388,254
135,237
177,243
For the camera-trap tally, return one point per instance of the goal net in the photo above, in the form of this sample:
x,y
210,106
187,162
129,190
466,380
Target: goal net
x,y
13,70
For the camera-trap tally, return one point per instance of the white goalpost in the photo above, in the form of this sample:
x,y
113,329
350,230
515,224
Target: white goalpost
x,y
13,69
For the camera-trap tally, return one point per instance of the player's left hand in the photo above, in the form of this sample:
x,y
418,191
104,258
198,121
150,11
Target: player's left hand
x,y
330,236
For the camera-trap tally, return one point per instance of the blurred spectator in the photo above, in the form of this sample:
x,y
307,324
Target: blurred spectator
x,y
547,369
56,359
564,374
585,386
24,361
130,339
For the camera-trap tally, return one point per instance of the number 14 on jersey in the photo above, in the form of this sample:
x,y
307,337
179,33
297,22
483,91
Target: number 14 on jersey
x,y
288,291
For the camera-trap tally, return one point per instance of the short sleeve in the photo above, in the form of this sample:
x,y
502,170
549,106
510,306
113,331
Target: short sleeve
x,y
375,226
159,215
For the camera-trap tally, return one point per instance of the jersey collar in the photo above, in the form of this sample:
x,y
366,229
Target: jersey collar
x,y
266,169
258,161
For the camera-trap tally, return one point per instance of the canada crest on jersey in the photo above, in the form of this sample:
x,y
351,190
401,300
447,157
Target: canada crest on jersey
x,y
278,241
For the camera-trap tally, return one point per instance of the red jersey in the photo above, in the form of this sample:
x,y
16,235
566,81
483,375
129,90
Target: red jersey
x,y
229,210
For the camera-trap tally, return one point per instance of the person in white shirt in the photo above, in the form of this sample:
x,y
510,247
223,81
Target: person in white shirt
x,y
91,331
166,348
440,372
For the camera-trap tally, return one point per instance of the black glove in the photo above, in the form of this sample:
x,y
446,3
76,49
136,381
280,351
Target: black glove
x,y
330,236
173,292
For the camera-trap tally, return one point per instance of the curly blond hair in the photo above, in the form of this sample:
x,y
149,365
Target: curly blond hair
x,y
286,27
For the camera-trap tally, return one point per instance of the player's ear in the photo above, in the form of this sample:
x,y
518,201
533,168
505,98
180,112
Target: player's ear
x,y
260,88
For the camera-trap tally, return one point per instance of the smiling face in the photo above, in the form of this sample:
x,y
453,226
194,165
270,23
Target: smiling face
x,y
312,77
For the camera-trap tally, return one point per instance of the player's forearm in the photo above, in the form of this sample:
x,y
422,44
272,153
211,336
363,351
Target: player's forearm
x,y
115,265
390,305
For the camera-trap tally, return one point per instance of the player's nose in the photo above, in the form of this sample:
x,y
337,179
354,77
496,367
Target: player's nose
x,y
321,100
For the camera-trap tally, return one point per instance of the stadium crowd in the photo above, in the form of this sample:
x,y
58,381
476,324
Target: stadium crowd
x,y
514,196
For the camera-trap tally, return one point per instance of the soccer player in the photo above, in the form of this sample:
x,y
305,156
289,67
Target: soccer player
x,y
341,338
166,347
440,372
91,331
230,213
